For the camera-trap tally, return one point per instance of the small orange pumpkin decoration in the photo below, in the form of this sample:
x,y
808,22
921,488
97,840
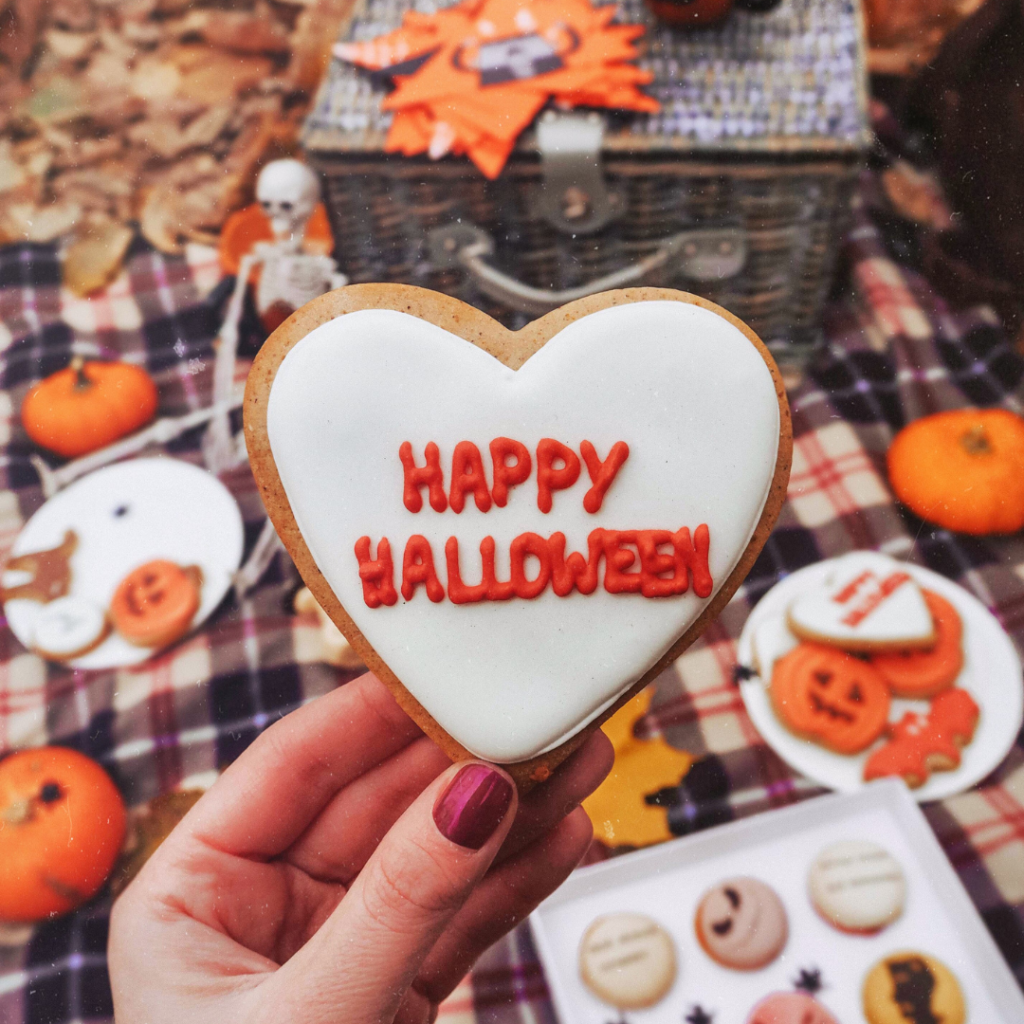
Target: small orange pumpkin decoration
x,y
87,406
62,824
963,470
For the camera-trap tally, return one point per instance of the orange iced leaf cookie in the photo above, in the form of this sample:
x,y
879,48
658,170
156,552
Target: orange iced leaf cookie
x,y
923,744
925,673
155,603
832,698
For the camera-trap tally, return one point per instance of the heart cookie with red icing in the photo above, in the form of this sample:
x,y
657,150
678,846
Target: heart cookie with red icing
x,y
518,530
870,603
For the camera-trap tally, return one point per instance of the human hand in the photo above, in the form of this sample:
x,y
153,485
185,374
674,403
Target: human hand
x,y
341,870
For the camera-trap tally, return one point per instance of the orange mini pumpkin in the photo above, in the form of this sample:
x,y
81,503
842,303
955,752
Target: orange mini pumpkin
x,y
963,470
62,824
87,406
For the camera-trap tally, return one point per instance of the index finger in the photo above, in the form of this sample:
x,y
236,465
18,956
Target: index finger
x,y
266,799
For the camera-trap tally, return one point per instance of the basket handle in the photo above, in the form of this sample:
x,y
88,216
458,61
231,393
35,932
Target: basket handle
x,y
702,254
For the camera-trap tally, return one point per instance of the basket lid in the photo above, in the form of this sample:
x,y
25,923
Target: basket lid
x,y
789,81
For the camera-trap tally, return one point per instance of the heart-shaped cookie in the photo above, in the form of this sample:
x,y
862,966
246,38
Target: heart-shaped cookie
x,y
869,603
518,530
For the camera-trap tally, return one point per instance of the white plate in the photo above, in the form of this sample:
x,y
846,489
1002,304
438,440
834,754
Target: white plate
x,y
666,882
126,515
991,673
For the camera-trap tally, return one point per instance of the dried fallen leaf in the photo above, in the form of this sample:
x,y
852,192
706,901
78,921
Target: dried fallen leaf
x,y
95,259
39,223
246,33
71,46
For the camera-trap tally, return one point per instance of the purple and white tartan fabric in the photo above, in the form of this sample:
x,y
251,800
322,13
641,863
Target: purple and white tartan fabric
x,y
894,352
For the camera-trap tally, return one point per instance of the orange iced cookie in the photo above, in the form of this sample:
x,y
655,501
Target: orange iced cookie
x,y
155,603
830,697
924,673
921,745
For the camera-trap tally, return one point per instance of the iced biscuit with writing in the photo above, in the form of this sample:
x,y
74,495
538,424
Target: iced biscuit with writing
x,y
912,988
742,924
869,603
857,886
628,961
517,530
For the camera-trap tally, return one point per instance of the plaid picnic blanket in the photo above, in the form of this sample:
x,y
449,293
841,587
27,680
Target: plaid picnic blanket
x,y
894,352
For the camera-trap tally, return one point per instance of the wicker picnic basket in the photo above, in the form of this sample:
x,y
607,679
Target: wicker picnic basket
x,y
739,189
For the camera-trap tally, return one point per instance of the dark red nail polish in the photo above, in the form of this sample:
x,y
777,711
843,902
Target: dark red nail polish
x,y
473,806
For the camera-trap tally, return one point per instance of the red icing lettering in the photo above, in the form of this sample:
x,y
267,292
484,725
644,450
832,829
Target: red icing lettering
x,y
601,473
378,575
617,559
529,544
458,592
852,587
506,476
416,477
885,587
497,590
468,475
567,572
694,557
551,479
654,564
418,567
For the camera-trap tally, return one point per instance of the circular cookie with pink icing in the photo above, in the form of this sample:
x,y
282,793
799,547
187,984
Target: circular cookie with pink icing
x,y
790,1008
741,924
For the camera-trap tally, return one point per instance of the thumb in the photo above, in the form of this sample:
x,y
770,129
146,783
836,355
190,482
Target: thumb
x,y
363,959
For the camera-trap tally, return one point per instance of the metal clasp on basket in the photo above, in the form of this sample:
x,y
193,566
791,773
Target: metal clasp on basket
x,y
699,254
573,197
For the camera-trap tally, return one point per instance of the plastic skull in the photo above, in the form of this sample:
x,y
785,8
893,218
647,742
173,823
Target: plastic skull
x,y
287,192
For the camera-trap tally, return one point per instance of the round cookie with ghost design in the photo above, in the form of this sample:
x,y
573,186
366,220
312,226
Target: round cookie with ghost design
x,y
742,924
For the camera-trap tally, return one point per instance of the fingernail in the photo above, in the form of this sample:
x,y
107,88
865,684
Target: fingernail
x,y
473,806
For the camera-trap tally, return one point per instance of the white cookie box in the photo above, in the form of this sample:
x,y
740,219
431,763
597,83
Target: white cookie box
x,y
667,881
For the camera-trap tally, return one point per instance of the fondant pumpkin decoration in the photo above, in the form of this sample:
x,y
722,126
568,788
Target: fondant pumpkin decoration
x,y
62,823
832,698
963,470
87,406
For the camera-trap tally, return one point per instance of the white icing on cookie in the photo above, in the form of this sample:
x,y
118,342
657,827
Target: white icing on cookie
x,y
857,885
680,385
870,601
68,626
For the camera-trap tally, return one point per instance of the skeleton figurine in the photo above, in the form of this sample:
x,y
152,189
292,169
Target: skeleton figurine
x,y
288,193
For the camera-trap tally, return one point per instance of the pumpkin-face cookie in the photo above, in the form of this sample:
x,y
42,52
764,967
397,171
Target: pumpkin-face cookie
x,y
741,923
922,744
869,604
830,697
912,988
924,673
517,531
155,603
